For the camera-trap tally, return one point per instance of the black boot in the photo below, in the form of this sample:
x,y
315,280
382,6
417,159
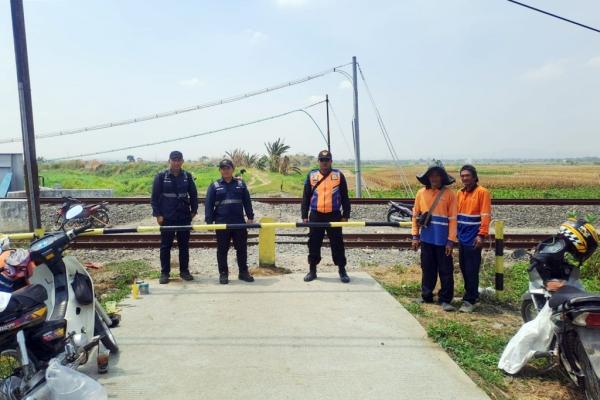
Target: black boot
x,y
344,275
312,274
164,278
186,276
223,279
245,276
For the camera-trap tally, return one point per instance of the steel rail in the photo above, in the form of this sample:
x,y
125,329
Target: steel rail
x,y
364,201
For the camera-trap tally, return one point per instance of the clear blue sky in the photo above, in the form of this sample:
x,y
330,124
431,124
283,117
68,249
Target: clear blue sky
x,y
453,78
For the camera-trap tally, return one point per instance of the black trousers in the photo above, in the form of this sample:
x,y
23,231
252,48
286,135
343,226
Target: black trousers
x,y
183,243
434,262
336,240
240,243
469,259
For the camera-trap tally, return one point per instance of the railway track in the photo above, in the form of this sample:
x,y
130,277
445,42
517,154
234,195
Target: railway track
x,y
352,240
297,200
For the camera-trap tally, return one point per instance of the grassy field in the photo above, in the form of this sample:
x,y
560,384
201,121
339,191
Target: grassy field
x,y
505,181
476,341
135,179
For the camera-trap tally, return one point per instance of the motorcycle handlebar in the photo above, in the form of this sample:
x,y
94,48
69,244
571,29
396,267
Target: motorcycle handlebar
x,y
79,231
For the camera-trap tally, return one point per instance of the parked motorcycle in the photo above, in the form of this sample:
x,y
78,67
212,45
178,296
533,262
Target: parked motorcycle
x,y
399,212
575,316
56,316
96,214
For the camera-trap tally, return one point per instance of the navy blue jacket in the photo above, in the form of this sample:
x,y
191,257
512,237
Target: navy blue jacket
x,y
226,202
174,197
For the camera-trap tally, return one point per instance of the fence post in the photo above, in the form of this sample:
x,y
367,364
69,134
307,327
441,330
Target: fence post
x,y
266,244
499,239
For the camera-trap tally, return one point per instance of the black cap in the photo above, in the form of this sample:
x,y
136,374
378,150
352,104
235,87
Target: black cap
x,y
324,154
175,155
226,163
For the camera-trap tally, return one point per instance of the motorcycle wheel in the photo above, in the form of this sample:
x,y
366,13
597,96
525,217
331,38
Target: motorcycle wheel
x,y
99,219
397,216
528,309
591,383
107,338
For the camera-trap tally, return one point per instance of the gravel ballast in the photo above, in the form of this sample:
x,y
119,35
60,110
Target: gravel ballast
x,y
518,219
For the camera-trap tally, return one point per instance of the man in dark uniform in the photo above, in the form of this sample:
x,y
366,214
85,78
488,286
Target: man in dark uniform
x,y
226,201
174,203
326,197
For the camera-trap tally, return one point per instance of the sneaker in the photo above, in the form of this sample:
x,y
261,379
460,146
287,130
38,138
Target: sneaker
x,y
164,279
245,276
186,276
223,279
467,307
448,307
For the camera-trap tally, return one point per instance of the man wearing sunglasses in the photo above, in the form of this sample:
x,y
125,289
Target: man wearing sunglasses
x,y
326,199
226,201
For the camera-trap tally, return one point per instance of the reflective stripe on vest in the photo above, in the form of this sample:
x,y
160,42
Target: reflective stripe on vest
x,y
228,201
323,196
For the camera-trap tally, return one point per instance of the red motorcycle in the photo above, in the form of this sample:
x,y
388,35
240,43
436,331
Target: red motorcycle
x,y
96,214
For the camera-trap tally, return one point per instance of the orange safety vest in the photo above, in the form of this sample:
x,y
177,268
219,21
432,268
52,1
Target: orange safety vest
x,y
326,197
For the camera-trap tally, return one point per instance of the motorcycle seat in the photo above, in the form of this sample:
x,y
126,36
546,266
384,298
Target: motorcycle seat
x,y
25,299
570,297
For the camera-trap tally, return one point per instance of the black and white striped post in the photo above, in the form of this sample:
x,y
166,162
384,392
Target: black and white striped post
x,y
499,239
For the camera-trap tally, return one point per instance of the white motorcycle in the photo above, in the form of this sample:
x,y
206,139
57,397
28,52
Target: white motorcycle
x,y
56,316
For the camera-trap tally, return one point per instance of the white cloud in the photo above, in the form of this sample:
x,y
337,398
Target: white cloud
x,y
192,82
549,71
345,84
291,3
594,62
256,37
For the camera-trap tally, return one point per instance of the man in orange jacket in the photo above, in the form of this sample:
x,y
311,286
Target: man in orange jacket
x,y
434,230
326,199
474,215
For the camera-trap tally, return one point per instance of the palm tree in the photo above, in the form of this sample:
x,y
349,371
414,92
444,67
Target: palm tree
x,y
241,158
275,150
262,162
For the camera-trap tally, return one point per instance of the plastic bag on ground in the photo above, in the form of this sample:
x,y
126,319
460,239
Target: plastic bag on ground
x,y
535,335
68,384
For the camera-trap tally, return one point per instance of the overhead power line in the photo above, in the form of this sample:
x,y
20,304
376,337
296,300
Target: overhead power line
x,y
205,133
340,129
555,16
386,136
165,114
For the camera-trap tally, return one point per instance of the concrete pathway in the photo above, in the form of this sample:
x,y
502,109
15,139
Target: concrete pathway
x,y
278,338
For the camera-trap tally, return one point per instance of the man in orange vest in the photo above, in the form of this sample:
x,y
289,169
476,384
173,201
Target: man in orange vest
x,y
326,197
434,230
474,215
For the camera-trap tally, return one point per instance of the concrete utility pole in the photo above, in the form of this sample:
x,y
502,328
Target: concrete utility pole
x,y
328,134
32,188
356,131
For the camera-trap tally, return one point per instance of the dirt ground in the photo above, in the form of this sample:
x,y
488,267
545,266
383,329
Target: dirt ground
x,y
532,383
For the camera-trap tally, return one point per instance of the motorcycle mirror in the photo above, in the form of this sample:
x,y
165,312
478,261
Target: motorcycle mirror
x,y
74,212
4,243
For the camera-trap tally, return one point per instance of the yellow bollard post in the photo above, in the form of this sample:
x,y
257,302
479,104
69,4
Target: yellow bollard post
x,y
266,244
135,291
499,239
